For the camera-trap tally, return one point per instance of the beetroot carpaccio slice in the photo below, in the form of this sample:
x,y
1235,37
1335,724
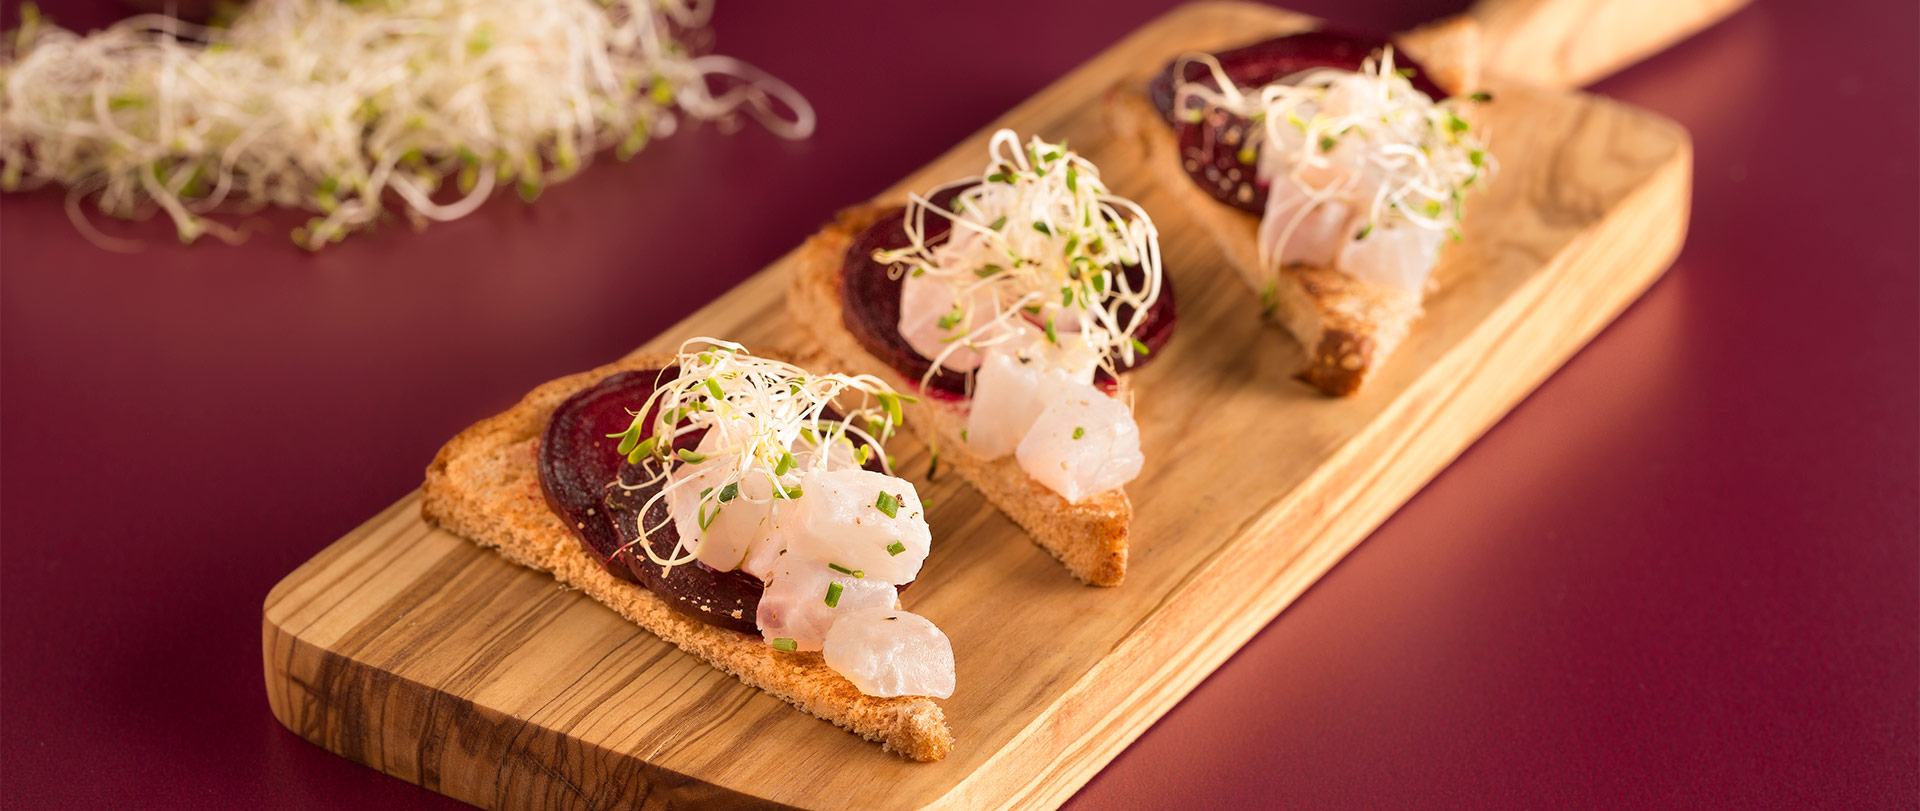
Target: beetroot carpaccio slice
x,y
1214,150
578,466
870,305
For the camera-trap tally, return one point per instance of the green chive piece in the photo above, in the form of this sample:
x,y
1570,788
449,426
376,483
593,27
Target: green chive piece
x,y
833,595
1079,432
886,503
896,548
690,457
783,643
730,492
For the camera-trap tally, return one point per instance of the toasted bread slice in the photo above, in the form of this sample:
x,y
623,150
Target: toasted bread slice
x,y
1089,537
484,485
1348,326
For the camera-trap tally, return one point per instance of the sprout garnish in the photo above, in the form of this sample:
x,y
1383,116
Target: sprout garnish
x,y
340,107
1421,154
1064,273
751,409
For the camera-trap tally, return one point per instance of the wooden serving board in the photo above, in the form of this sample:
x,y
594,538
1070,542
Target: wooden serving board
x,y
424,656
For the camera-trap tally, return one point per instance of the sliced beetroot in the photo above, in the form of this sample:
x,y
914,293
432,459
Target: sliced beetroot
x,y
579,464
577,461
870,304
1214,150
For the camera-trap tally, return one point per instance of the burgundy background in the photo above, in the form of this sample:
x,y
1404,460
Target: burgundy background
x,y
1684,573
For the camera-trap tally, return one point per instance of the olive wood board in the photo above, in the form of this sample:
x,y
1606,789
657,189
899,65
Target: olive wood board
x,y
420,654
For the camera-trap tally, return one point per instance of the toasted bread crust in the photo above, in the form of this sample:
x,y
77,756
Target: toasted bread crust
x,y
484,485
1347,325
1089,537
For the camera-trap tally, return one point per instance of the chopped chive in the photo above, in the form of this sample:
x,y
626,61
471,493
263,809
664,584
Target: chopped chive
x,y
783,643
886,503
690,457
1079,432
785,464
730,492
833,595
896,548
844,570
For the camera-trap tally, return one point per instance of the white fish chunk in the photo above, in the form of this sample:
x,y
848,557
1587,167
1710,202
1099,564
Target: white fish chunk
x,y
1083,444
1009,393
888,652
839,518
794,605
1396,253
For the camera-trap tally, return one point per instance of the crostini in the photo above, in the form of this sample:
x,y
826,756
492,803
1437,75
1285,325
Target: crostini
x,y
1014,303
1330,170
737,506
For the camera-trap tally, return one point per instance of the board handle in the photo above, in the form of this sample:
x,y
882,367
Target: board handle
x,y
1555,43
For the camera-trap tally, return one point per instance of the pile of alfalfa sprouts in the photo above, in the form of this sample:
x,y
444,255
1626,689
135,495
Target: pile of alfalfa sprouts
x,y
345,108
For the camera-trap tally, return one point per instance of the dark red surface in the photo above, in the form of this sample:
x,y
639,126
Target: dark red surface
x,y
1684,573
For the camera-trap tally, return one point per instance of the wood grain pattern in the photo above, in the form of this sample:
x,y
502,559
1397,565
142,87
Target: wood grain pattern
x,y
1557,43
422,655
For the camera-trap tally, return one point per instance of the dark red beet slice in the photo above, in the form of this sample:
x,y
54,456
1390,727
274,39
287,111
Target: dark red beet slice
x,y
1212,149
578,465
870,305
